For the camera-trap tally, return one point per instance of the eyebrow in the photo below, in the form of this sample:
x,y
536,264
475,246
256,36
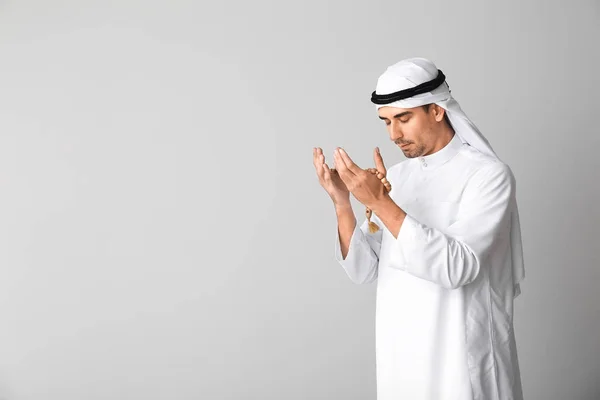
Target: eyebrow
x,y
402,114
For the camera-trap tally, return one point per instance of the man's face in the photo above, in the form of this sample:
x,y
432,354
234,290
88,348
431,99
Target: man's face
x,y
412,129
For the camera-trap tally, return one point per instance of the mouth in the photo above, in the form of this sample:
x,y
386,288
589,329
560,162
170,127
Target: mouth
x,y
403,146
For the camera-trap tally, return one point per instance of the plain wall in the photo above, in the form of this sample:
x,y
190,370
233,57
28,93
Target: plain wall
x,y
164,235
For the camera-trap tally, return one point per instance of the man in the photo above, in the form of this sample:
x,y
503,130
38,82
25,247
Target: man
x,y
448,258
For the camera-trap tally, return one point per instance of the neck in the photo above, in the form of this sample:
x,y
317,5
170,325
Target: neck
x,y
444,137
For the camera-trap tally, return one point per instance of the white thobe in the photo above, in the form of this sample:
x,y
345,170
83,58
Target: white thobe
x,y
444,308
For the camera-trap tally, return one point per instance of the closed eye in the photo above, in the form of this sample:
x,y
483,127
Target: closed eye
x,y
387,121
405,114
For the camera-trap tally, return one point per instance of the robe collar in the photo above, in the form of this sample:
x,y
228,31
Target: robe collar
x,y
441,156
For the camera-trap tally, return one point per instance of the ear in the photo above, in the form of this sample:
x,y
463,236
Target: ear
x,y
438,112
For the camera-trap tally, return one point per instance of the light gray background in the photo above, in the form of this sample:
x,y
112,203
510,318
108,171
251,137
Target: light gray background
x,y
164,235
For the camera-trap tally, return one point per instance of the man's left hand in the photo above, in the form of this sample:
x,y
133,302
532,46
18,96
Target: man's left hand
x,y
365,186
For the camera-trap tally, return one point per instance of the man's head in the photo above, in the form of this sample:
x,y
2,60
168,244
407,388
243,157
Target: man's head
x,y
418,131
418,86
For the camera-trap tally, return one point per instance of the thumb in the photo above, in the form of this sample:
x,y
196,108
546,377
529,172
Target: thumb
x,y
379,161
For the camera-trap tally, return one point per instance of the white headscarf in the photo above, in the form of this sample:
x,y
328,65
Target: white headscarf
x,y
411,72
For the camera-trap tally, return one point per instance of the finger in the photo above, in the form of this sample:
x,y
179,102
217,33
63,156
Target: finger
x,y
315,156
318,161
345,174
379,161
355,169
338,163
326,173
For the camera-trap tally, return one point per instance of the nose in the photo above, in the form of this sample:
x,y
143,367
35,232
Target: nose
x,y
395,132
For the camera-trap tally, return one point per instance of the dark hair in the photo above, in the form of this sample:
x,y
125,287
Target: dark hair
x,y
426,108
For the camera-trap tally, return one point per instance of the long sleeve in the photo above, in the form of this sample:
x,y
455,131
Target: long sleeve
x,y
362,261
454,258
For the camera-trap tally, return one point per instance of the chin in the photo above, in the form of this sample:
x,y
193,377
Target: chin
x,y
418,152
409,154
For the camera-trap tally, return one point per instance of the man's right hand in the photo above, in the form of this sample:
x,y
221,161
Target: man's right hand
x,y
330,180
